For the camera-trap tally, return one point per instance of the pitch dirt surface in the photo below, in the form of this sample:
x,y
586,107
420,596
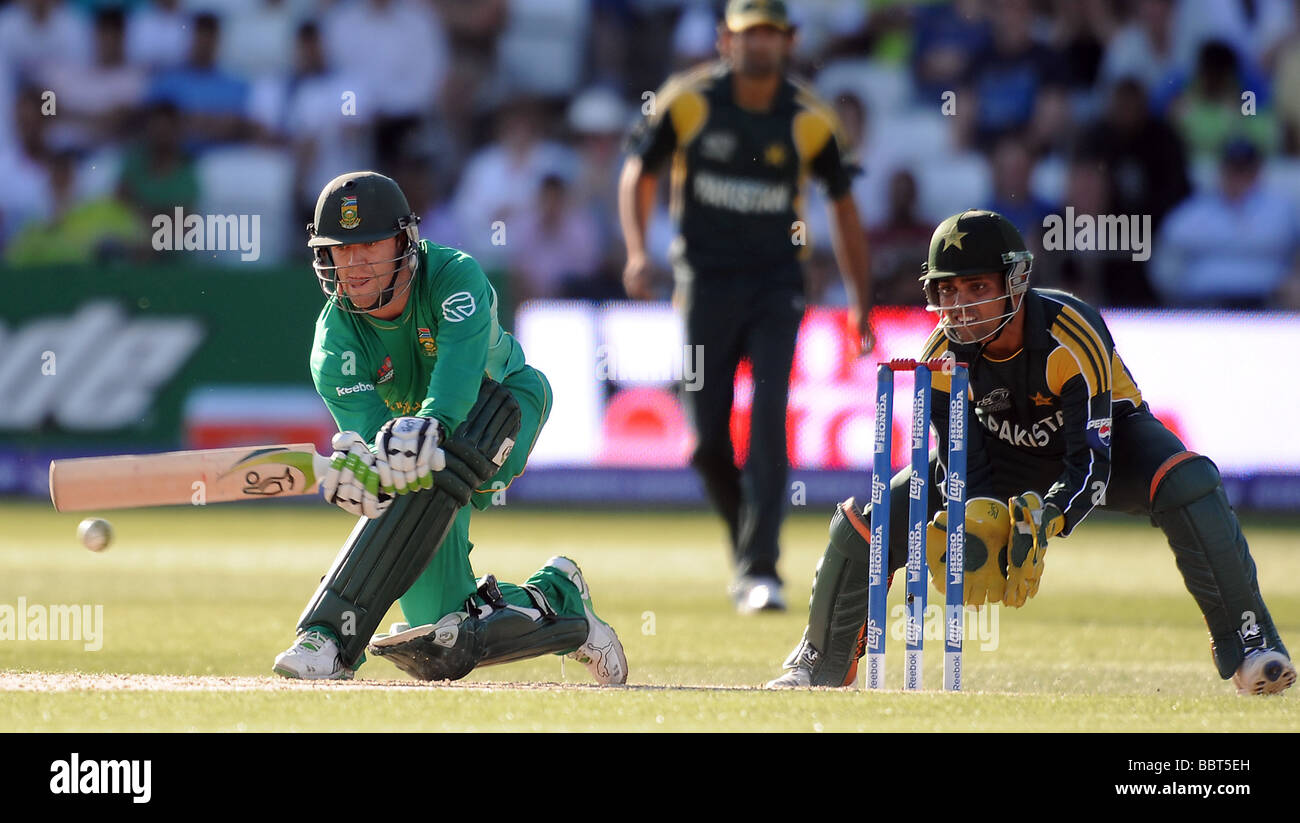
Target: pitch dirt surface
x,y
19,681
196,603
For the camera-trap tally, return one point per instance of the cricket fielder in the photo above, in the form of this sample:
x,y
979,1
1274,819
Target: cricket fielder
x,y
437,412
741,136
1059,428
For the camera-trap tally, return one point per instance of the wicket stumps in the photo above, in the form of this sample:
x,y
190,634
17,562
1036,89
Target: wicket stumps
x,y
917,582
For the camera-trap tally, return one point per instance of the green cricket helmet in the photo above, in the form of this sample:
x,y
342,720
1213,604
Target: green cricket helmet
x,y
362,207
976,241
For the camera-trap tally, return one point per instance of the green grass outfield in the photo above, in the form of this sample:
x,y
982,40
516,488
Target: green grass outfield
x,y
197,603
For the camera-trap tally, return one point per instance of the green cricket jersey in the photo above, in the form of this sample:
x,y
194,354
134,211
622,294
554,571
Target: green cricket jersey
x,y
427,363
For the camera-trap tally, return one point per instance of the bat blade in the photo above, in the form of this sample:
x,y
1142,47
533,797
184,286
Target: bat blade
x,y
193,477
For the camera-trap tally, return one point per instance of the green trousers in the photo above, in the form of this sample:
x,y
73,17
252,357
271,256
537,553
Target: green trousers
x,y
450,580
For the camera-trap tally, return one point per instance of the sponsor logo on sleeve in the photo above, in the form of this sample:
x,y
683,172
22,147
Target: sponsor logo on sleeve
x,y
1099,433
458,307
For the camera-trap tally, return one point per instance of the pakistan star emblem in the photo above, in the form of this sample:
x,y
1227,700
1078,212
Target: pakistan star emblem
x,y
775,155
953,237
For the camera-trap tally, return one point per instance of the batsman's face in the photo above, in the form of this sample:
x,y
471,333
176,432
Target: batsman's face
x,y
758,50
364,270
973,305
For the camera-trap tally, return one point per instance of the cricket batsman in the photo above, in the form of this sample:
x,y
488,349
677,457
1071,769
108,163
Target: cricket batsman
x,y
1059,428
437,411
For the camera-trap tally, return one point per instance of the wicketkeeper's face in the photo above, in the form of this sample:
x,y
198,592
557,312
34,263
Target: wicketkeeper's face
x,y
972,305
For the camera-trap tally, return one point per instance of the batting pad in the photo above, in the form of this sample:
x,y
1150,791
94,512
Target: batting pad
x,y
384,556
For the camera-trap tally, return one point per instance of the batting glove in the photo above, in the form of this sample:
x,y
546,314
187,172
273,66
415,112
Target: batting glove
x,y
409,454
1033,523
352,483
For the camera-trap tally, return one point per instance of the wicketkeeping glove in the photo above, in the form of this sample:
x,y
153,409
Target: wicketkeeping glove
x,y
352,483
985,556
1033,523
409,454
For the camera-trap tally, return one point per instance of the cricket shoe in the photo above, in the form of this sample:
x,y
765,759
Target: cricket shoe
x,y
758,594
1264,671
798,668
602,653
313,656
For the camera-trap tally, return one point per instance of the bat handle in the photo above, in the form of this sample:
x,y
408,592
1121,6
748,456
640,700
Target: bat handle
x,y
319,465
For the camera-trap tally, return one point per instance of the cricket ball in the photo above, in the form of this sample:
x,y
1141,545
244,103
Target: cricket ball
x,y
95,534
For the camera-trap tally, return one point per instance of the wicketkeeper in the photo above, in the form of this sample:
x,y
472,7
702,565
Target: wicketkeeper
x,y
437,412
1058,428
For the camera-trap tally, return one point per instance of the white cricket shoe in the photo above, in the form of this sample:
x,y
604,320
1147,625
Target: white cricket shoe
x,y
313,656
798,668
602,654
1264,671
800,677
758,594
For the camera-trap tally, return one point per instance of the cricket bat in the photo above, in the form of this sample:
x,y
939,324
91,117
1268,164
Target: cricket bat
x,y
194,477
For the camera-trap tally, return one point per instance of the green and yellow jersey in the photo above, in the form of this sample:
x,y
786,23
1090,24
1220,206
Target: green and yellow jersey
x,y
737,174
1044,415
429,362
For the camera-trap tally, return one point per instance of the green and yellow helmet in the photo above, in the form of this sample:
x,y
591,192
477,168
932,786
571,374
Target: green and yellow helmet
x,y
744,14
976,241
361,207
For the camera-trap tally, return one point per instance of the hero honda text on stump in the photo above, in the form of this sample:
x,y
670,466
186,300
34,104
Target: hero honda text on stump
x,y
955,494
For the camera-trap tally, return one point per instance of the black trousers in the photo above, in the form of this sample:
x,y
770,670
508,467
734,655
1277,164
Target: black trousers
x,y
730,316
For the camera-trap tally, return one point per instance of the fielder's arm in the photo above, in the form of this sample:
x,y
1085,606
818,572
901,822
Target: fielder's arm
x,y
649,146
636,199
849,241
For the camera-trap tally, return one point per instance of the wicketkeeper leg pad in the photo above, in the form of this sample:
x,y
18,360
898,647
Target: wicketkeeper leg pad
x,y
1188,503
489,631
838,608
384,556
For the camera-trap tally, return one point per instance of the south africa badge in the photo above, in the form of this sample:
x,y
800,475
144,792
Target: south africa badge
x,y
350,218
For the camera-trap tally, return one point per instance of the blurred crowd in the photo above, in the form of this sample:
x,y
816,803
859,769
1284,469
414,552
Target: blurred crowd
x,y
504,119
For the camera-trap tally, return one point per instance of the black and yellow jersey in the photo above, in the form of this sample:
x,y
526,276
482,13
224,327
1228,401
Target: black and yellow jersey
x,y
736,173
1043,415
